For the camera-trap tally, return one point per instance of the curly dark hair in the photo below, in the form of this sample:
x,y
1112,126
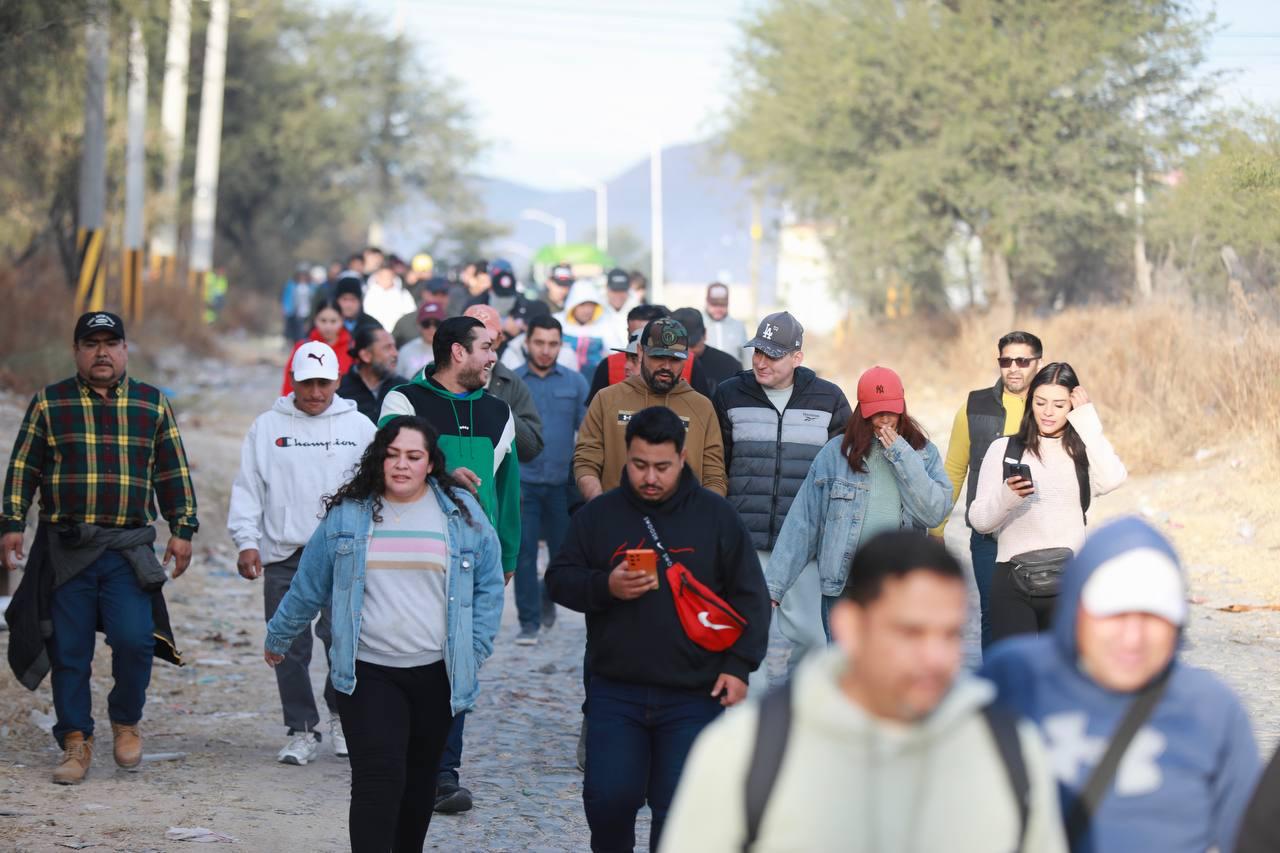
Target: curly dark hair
x,y
368,483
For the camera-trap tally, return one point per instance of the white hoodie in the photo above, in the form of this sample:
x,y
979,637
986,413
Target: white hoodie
x,y
610,329
388,305
288,462
853,782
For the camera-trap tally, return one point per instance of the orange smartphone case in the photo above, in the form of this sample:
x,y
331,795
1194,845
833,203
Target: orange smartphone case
x,y
642,560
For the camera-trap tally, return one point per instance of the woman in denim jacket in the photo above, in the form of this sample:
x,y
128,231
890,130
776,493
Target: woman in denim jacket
x,y
882,474
414,572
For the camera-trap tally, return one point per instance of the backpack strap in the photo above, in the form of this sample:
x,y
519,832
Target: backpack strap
x,y
1004,731
1017,449
773,728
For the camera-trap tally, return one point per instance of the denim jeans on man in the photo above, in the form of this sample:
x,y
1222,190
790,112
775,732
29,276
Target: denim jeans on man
x,y
638,738
544,514
293,674
107,589
982,549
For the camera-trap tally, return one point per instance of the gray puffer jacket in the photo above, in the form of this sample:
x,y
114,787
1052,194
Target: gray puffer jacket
x,y
768,453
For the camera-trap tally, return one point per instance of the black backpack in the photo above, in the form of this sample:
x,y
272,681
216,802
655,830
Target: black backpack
x,y
1016,450
773,728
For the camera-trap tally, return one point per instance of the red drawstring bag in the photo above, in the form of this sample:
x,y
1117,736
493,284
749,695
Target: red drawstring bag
x,y
707,619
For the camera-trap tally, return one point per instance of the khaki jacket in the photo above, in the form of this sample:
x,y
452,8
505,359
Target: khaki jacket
x,y
602,445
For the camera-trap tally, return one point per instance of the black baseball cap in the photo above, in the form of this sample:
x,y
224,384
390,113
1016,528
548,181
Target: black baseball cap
x,y
98,321
436,284
619,280
665,338
778,335
691,319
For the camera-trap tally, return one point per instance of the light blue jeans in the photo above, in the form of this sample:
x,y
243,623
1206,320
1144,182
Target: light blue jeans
x,y
799,619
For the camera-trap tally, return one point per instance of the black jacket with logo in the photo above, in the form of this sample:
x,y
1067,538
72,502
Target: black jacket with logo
x,y
642,641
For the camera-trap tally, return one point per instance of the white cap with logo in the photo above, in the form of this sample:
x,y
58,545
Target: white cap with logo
x,y
314,360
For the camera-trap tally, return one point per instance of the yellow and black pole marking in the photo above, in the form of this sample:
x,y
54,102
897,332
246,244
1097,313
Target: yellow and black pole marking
x,y
91,286
164,269
132,284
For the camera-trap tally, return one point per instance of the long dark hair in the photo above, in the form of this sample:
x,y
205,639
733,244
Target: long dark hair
x,y
368,482
1057,373
860,435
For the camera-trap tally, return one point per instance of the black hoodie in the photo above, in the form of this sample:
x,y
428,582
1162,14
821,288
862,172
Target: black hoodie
x,y
641,641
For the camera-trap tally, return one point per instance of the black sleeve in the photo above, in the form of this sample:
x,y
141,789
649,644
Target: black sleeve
x,y
726,427
571,579
748,595
1260,829
841,412
700,381
599,380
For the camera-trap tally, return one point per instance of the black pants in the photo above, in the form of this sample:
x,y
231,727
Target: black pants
x,y
396,723
1013,612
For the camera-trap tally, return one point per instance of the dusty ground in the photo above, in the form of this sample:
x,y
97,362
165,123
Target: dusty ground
x,y
220,713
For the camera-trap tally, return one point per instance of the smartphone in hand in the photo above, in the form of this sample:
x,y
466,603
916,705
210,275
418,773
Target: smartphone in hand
x,y
1017,469
642,560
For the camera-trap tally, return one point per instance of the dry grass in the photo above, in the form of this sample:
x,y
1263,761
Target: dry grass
x,y
1170,380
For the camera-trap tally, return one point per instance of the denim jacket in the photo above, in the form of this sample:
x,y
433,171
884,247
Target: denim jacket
x,y
825,520
332,569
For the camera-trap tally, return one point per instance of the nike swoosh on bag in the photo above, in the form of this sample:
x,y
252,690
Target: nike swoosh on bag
x,y
704,618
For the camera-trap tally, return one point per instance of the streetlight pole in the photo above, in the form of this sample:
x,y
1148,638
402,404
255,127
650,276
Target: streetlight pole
x,y
602,216
545,218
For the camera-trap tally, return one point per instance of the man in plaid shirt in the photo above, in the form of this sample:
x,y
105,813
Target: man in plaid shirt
x,y
96,446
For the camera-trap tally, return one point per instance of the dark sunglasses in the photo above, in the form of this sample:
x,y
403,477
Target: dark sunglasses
x,y
1005,361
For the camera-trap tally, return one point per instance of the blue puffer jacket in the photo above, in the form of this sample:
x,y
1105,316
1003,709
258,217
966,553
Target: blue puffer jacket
x,y
825,520
332,568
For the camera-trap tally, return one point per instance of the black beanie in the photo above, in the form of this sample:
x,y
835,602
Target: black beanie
x,y
351,285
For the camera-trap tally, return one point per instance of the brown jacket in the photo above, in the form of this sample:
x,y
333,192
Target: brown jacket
x,y
602,445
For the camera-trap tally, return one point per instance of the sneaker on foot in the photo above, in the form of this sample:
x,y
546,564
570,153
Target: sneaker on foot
x,y
337,738
548,612
300,750
452,798
528,637
77,753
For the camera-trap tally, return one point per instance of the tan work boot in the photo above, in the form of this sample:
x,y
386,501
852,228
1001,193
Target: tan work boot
x,y
126,744
77,752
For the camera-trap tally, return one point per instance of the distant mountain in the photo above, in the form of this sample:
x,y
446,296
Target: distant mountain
x,y
707,223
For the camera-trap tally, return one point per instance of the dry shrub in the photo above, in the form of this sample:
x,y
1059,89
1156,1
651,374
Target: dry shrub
x,y
1168,378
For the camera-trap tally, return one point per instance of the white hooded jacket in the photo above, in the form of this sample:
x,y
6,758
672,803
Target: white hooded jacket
x,y
853,782
388,305
288,462
612,329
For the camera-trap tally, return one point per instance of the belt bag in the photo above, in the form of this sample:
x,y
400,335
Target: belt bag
x,y
1038,574
707,619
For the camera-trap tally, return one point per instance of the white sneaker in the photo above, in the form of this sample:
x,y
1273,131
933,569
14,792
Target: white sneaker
x,y
337,738
301,749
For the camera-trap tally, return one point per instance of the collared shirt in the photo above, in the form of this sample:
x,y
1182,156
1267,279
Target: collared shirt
x,y
97,460
561,400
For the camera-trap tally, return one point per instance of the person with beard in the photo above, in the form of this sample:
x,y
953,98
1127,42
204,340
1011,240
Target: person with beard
x,y
601,453
510,389
478,436
373,370
656,679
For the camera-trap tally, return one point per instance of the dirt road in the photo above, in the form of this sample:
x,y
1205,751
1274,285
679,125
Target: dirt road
x,y
215,723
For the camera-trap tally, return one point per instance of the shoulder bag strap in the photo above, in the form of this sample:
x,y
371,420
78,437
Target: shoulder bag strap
x,y
657,543
773,728
1100,780
1004,730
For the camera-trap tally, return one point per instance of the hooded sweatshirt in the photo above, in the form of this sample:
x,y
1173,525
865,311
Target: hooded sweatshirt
x,y
388,304
590,342
850,781
1186,777
341,347
602,440
642,641
288,462
477,432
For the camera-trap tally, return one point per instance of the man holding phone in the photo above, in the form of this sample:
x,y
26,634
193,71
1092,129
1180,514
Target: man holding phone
x,y
988,414
655,683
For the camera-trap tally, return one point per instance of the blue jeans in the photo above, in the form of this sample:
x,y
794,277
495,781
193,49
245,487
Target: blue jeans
x,y
982,549
544,514
451,758
107,591
637,740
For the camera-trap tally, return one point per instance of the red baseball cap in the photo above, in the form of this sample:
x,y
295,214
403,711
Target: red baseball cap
x,y
880,390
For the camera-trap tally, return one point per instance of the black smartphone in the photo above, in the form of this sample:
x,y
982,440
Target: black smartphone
x,y
1017,469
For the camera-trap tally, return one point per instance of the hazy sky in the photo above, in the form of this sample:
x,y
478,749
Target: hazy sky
x,y
570,91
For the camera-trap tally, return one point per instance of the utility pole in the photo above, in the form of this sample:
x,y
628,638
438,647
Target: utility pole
x,y
90,233
657,285
173,126
602,216
135,173
204,206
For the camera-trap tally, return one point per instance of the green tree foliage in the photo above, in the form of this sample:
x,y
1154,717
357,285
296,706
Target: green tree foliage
x,y
1227,194
901,121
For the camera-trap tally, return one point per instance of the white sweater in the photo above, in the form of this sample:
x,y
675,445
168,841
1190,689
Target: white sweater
x,y
288,462
1050,517
853,782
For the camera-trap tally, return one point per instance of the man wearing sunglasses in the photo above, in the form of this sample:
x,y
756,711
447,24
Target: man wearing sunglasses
x,y
988,414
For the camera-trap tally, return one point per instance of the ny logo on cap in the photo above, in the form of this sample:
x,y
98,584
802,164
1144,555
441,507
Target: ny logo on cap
x,y
879,389
317,356
768,332
97,321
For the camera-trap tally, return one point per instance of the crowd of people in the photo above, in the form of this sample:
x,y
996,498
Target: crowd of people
x,y
694,489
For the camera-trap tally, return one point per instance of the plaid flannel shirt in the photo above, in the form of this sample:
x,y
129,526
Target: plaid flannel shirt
x,y
97,460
